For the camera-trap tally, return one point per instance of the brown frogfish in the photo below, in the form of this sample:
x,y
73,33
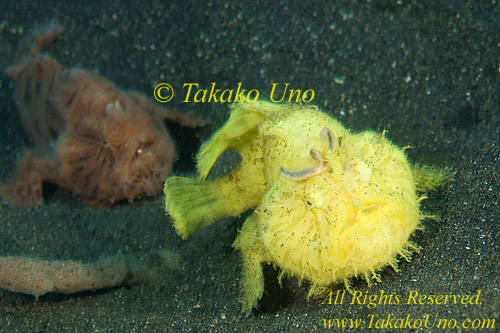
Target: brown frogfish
x,y
91,138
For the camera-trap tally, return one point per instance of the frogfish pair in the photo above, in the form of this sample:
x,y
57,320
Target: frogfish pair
x,y
328,204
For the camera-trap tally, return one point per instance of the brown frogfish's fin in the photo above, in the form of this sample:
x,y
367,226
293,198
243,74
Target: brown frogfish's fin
x,y
35,82
36,75
37,41
24,187
183,119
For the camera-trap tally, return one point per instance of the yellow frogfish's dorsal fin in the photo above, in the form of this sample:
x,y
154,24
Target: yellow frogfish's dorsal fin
x,y
245,116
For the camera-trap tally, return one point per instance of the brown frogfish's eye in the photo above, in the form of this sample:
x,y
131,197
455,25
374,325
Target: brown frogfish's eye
x,y
138,152
143,147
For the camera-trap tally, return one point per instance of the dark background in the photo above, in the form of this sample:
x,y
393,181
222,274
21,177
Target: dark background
x,y
426,71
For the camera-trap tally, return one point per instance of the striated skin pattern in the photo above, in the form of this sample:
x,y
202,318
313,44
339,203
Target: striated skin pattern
x,y
89,136
329,204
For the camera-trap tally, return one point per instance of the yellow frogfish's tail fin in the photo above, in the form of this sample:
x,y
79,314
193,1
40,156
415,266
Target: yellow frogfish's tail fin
x,y
244,118
195,204
429,178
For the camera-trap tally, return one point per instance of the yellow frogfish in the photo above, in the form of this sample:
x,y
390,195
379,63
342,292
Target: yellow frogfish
x,y
328,204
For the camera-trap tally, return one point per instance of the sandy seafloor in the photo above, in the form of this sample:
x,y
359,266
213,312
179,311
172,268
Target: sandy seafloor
x,y
426,71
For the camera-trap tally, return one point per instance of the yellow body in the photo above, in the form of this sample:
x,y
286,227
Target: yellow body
x,y
329,204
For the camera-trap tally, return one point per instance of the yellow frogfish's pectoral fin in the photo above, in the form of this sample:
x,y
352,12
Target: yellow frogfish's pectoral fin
x,y
253,255
195,204
245,117
191,203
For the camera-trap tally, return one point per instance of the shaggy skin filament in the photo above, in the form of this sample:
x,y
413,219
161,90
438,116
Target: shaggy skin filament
x,y
306,173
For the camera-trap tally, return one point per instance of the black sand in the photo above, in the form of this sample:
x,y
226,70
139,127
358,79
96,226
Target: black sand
x,y
426,71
